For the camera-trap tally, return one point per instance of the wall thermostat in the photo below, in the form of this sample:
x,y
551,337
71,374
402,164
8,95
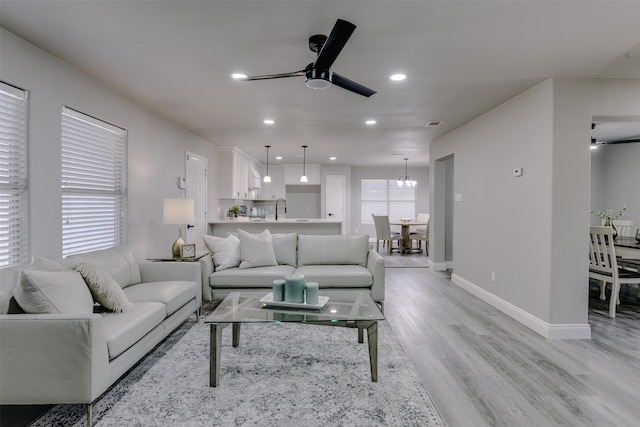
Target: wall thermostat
x,y
517,172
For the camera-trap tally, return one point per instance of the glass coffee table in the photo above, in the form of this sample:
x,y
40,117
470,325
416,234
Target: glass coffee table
x,y
350,309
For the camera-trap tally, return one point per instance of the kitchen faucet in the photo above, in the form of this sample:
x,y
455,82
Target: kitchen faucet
x,y
285,206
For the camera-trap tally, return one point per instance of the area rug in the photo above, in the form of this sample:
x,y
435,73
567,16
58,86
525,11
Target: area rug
x,y
282,374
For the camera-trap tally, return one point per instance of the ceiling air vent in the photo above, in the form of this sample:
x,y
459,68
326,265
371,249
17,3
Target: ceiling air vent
x,y
434,123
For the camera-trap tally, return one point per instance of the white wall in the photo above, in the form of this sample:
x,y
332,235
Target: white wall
x,y
156,148
529,230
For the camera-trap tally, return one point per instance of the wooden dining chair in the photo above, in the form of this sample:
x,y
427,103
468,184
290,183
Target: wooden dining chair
x,y
603,266
383,232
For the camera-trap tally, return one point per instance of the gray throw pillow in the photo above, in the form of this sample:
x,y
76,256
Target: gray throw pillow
x,y
285,247
53,292
225,252
256,250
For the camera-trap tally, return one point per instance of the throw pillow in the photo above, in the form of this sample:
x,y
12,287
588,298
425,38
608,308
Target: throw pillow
x,y
256,250
225,252
53,292
285,248
103,288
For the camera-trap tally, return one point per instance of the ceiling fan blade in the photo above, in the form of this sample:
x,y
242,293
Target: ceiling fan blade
x,y
275,76
347,84
339,36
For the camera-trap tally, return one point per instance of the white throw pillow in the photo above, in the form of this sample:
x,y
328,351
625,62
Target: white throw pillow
x,y
103,288
285,246
256,250
53,292
225,252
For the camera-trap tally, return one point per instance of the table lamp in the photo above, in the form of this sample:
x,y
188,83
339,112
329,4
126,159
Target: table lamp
x,y
178,211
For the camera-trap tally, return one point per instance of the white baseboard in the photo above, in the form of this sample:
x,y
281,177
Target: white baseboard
x,y
547,330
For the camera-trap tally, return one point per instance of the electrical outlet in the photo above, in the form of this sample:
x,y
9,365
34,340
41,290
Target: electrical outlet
x,y
493,276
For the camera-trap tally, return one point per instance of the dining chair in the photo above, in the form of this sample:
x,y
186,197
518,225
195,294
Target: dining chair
x,y
603,266
383,232
624,227
421,233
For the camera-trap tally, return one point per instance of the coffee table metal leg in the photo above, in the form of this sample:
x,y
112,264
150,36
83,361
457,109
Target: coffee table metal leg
x,y
236,334
215,342
372,338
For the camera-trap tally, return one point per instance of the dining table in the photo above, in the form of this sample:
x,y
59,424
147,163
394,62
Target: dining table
x,y
405,233
627,247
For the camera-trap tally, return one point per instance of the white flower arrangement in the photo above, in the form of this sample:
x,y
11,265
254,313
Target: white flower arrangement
x,y
608,215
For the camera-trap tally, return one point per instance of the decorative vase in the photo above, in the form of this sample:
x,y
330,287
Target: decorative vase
x,y
614,230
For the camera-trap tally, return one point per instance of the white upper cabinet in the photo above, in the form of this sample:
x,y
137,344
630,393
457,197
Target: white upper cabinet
x,y
233,173
275,189
292,174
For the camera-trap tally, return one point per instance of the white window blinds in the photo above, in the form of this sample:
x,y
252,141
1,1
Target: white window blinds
x,y
94,183
14,218
384,197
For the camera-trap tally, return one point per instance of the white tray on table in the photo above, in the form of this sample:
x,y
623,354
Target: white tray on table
x,y
268,301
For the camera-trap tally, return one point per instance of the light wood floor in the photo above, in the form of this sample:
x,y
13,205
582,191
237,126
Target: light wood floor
x,y
484,369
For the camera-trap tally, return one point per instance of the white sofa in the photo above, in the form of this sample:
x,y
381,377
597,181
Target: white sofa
x,y
336,262
74,358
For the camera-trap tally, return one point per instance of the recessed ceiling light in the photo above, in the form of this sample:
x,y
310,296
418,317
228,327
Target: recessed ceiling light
x,y
278,157
239,76
371,122
398,77
268,122
332,158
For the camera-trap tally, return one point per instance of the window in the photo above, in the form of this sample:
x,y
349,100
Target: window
x,y
94,178
384,197
14,218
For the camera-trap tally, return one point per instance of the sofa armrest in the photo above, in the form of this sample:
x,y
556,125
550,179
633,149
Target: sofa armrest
x,y
52,358
375,264
170,270
206,266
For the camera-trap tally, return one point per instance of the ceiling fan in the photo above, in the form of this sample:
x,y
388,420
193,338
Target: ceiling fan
x,y
318,75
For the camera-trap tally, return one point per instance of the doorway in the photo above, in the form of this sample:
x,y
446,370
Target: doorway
x,y
443,213
335,199
196,168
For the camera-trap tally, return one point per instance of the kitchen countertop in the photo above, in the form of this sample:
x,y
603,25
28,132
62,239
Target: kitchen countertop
x,y
242,220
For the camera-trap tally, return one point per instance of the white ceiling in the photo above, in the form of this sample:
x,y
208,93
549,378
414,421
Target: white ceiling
x,y
462,58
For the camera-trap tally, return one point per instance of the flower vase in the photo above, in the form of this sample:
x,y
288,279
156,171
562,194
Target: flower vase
x,y
614,230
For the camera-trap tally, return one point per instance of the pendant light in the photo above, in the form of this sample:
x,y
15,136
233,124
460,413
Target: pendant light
x,y
303,178
267,178
406,181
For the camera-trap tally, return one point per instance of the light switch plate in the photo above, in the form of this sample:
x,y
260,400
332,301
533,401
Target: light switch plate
x,y
458,197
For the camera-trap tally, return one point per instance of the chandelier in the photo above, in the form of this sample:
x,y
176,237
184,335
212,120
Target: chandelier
x,y
406,181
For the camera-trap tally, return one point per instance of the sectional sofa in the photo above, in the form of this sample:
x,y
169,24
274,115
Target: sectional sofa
x,y
250,262
70,350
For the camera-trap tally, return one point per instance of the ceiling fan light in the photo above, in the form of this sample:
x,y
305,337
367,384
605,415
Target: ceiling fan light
x,y
318,79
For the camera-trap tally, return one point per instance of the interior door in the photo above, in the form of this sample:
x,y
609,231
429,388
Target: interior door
x,y
335,198
196,167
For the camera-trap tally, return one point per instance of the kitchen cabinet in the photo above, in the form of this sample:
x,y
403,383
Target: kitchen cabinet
x,y
275,189
292,174
233,173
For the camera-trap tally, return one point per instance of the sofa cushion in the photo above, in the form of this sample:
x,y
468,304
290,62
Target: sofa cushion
x,y
259,277
123,330
103,288
337,276
256,250
225,252
173,294
285,246
53,292
117,262
333,250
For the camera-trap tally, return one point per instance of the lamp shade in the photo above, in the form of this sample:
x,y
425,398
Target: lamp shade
x,y
178,211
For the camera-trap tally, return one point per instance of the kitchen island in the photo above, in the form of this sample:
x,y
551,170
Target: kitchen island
x,y
222,227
